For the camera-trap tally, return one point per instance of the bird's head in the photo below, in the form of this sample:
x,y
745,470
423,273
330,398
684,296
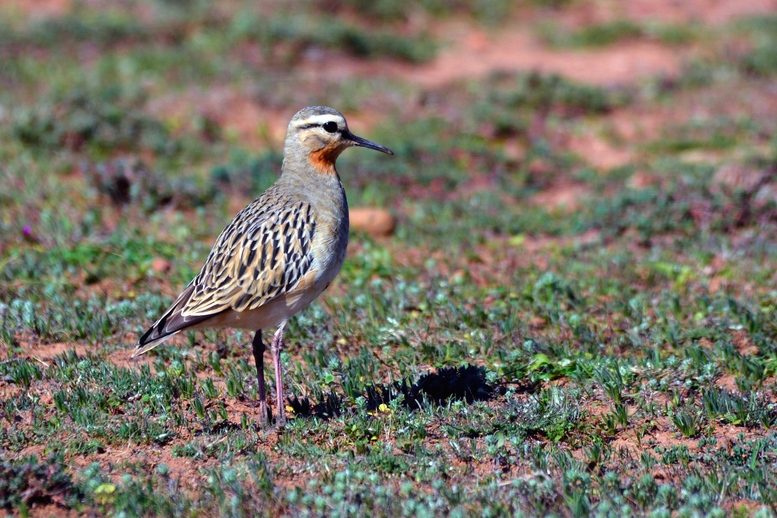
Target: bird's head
x,y
321,133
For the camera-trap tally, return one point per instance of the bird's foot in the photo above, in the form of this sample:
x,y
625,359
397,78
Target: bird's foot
x,y
280,421
264,414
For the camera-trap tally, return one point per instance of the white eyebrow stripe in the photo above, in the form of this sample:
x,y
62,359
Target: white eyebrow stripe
x,y
320,119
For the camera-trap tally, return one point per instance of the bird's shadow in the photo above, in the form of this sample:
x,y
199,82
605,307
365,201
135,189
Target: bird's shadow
x,y
467,383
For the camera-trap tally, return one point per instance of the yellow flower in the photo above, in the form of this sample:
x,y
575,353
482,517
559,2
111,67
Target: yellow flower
x,y
104,493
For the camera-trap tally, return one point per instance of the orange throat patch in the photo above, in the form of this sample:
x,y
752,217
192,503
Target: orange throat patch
x,y
323,160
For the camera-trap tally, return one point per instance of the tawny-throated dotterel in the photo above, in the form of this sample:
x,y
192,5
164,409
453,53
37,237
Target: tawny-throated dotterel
x,y
279,253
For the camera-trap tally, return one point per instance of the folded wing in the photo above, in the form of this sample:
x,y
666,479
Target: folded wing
x,y
261,255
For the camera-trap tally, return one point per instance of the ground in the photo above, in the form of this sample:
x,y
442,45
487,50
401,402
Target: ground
x,y
559,296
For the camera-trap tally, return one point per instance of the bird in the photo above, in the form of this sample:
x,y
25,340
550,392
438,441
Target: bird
x,y
278,254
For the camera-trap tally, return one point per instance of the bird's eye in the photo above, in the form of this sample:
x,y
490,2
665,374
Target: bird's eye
x,y
330,126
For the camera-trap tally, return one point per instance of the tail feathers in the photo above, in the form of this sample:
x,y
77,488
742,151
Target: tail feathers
x,y
171,323
146,345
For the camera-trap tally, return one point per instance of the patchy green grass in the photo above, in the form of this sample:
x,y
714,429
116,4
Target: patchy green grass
x,y
618,31
502,353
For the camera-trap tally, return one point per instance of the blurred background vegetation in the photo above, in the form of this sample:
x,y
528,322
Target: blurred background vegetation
x,y
570,309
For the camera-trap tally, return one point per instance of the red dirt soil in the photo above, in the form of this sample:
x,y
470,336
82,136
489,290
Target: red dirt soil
x,y
473,53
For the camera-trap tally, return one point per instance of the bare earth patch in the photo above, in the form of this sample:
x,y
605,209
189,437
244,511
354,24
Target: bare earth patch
x,y
516,48
599,152
43,353
234,111
566,196
473,53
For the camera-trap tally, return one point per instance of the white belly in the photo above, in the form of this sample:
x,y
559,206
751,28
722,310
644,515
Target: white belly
x,y
269,316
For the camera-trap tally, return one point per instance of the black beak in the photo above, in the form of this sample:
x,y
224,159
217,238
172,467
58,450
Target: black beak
x,y
363,142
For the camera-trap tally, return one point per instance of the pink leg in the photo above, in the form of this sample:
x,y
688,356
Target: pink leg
x,y
277,347
258,350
